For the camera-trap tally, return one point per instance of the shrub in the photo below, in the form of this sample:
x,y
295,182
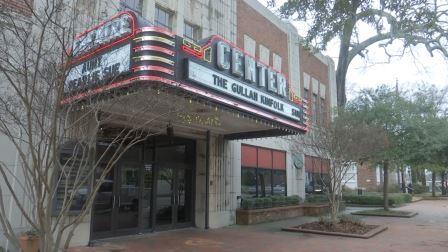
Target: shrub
x,y
259,202
267,202
417,188
316,198
351,220
275,201
282,200
293,200
394,199
248,203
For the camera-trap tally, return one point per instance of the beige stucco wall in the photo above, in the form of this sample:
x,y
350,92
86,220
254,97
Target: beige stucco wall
x,y
225,177
214,17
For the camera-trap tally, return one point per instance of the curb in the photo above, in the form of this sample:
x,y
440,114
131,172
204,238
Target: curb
x,y
412,214
367,235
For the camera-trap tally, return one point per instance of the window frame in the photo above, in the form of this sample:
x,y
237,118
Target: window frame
x,y
271,170
315,104
167,12
196,31
323,110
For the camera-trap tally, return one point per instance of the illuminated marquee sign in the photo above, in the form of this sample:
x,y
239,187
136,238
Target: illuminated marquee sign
x,y
119,53
221,83
98,69
244,66
226,69
107,32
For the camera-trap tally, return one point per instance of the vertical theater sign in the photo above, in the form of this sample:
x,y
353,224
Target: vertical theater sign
x,y
125,52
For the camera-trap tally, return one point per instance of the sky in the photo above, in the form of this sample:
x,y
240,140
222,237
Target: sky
x,y
415,67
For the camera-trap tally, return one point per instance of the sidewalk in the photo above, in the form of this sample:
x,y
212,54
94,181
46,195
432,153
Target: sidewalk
x,y
427,231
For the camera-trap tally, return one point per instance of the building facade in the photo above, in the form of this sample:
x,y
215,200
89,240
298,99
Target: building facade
x,y
251,86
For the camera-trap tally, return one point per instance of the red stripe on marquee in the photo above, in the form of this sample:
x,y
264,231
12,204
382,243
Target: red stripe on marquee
x,y
156,29
154,48
153,68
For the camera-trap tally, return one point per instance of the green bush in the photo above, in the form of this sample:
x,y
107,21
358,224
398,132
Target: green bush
x,y
293,200
316,198
419,188
394,199
283,200
349,219
248,203
259,202
275,201
271,201
267,202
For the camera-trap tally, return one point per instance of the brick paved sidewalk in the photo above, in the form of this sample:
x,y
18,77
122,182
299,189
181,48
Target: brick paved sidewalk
x,y
427,231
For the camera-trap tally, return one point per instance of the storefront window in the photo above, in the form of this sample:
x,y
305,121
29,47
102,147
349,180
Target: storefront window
x,y
74,167
279,182
264,184
317,177
263,172
248,182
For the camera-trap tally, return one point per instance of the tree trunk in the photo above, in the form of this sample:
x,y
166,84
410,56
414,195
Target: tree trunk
x,y
443,180
403,183
433,184
343,61
423,179
386,185
414,175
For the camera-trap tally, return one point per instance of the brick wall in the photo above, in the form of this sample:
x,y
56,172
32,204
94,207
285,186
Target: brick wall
x,y
313,66
316,69
367,177
263,31
17,6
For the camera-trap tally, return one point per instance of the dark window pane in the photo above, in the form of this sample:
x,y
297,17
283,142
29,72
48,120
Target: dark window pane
x,y
74,168
191,31
162,18
279,182
248,182
264,182
315,108
323,111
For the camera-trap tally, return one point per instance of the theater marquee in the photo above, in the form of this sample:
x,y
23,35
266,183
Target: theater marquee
x,y
241,91
126,52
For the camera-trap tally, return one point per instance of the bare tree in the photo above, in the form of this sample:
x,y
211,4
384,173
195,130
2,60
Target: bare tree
x,y
57,143
344,142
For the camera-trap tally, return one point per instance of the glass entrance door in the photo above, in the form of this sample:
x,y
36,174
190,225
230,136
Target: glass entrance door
x,y
103,207
174,187
127,205
118,206
149,188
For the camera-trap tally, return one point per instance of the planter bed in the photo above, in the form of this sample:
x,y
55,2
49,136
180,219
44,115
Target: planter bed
x,y
435,198
254,216
382,213
376,200
370,231
362,205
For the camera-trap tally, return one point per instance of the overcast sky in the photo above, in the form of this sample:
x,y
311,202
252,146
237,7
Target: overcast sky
x,y
413,68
